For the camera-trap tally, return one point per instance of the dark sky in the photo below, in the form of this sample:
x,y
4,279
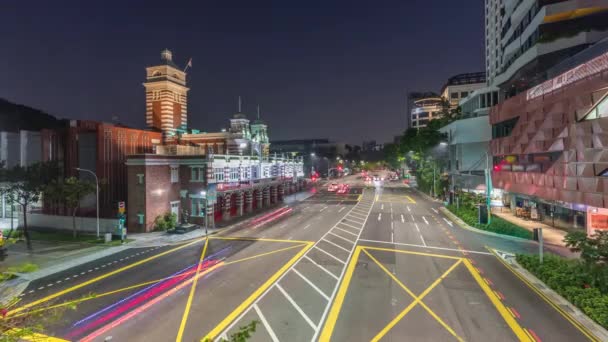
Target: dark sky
x,y
335,69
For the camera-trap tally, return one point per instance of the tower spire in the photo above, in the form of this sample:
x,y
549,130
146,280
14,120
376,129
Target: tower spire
x,y
258,112
240,104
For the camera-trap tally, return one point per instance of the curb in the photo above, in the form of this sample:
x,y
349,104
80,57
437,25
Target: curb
x,y
427,196
464,225
573,314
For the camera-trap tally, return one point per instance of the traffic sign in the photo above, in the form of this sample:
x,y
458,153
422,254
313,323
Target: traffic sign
x,y
121,207
211,193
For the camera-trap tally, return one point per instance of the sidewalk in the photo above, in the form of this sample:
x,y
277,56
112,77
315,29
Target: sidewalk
x,y
551,236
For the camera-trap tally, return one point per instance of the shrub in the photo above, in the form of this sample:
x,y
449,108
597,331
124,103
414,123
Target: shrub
x,y
166,221
468,213
584,285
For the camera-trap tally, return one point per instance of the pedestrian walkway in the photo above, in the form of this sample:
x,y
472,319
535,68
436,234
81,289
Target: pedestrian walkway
x,y
551,236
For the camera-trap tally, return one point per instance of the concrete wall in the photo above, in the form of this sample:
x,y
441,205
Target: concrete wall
x,y
83,224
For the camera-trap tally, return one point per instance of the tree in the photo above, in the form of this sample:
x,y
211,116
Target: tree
x,y
70,191
593,249
24,185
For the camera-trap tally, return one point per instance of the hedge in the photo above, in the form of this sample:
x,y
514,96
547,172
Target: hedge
x,y
498,225
585,286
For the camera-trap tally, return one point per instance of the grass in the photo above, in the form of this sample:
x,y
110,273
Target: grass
x,y
62,236
9,273
498,225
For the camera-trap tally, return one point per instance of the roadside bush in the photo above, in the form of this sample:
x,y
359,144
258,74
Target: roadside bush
x,y
165,222
468,213
582,284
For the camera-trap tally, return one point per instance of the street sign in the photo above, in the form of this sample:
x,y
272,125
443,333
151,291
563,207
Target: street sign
x,y
211,193
121,207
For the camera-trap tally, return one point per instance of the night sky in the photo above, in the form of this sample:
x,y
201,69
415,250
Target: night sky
x,y
319,69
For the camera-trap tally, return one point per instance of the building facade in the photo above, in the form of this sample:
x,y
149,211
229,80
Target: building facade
x,y
425,110
460,86
549,146
526,38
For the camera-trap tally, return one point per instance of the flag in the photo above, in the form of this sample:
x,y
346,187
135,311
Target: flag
x,y
189,63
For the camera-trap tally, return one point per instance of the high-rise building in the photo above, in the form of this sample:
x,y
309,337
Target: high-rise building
x,y
526,38
166,96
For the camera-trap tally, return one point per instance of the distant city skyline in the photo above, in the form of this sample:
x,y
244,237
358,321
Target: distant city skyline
x,y
339,70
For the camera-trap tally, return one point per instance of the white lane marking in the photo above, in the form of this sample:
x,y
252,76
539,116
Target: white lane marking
x,y
402,219
408,208
331,255
31,291
355,219
382,207
448,222
289,238
418,229
336,245
425,221
413,219
341,209
349,225
265,323
435,210
392,237
323,208
343,238
41,287
321,267
68,278
311,284
346,231
295,305
306,226
58,282
379,216
419,233
422,246
357,215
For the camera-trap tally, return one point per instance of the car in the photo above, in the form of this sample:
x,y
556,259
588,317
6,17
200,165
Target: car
x,y
332,187
343,189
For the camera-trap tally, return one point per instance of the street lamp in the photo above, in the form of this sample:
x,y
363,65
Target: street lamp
x,y
204,197
97,189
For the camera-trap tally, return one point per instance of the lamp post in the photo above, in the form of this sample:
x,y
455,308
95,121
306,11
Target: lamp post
x,y
204,197
97,190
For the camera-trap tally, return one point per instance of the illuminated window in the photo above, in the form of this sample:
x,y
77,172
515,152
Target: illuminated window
x,y
174,174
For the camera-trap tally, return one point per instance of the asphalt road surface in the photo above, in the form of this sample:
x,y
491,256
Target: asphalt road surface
x,y
379,263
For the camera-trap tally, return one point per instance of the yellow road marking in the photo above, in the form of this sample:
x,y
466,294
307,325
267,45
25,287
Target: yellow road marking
x,y
582,329
359,197
263,254
247,302
517,329
182,326
95,296
411,199
33,336
417,300
259,239
529,335
101,277
336,306
410,252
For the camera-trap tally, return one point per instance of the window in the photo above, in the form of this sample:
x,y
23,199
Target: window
x,y
503,129
174,174
198,207
464,94
140,178
423,115
197,174
140,218
234,173
254,172
454,95
218,174
600,111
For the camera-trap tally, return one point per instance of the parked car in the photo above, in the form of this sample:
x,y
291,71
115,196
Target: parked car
x,y
332,187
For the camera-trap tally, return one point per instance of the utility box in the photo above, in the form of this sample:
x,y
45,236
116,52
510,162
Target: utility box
x,y
108,237
483,214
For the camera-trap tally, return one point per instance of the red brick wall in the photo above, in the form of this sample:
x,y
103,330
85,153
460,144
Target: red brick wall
x,y
156,115
136,203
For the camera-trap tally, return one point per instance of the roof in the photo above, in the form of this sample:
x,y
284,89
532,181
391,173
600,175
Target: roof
x,y
239,116
467,78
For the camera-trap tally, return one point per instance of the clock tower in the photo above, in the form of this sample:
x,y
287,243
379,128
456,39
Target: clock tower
x,y
166,96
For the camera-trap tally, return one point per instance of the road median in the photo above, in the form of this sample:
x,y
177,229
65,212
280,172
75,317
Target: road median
x,y
464,225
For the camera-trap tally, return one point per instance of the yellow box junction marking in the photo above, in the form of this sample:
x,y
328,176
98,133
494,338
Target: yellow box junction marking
x,y
417,300
334,313
257,293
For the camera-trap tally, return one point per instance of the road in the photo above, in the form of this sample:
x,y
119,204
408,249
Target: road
x,y
379,263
